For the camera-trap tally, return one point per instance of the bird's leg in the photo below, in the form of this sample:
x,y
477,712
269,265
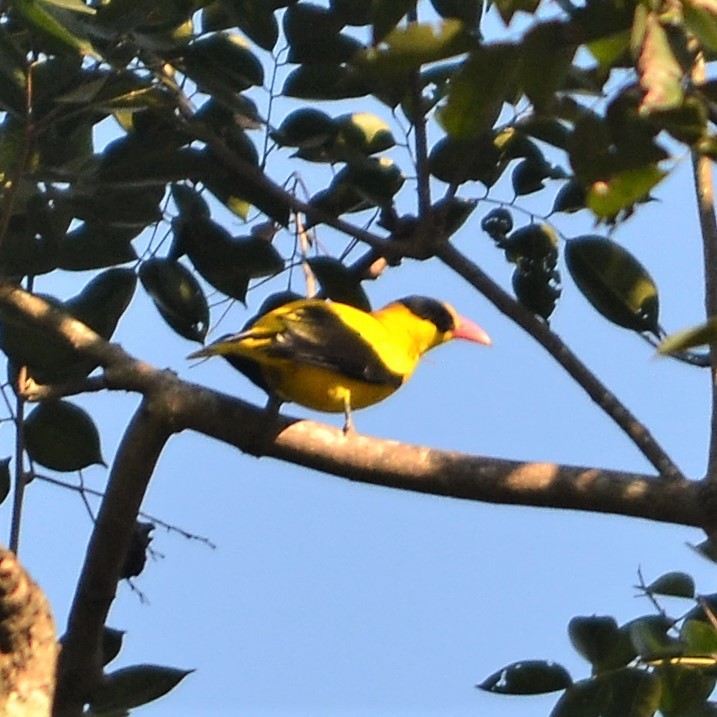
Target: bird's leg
x,y
349,423
273,405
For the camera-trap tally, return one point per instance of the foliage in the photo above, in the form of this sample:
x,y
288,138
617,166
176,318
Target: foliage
x,y
649,664
130,132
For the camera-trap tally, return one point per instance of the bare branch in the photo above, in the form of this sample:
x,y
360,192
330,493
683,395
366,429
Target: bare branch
x,y
452,474
704,191
598,392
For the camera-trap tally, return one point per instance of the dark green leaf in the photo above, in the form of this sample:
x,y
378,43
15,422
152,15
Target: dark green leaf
x,y
324,82
508,8
56,23
468,11
339,283
547,51
537,290
650,639
5,480
477,92
190,202
62,436
594,637
614,282
633,693
699,638
701,21
684,690
228,263
317,48
535,244
386,15
675,584
253,17
95,246
353,12
128,163
111,644
457,161
230,188
528,677
581,699
222,63
135,208
570,198
364,132
102,302
306,21
376,180
178,297
135,686
51,359
306,127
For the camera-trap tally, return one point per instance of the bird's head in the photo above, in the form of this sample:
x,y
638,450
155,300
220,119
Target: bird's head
x,y
448,323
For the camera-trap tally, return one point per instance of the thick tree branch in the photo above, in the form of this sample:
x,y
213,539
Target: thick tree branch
x,y
598,392
370,460
80,667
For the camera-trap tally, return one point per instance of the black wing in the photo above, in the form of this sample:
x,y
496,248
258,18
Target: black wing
x,y
316,335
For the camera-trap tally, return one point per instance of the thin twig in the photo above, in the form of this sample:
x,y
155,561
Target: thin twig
x,y
169,527
635,430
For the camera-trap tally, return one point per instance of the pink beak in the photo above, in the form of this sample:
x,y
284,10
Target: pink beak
x,y
466,329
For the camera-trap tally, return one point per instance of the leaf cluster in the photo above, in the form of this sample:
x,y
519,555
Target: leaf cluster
x,y
651,664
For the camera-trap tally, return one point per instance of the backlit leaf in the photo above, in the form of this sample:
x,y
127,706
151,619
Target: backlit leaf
x,y
614,282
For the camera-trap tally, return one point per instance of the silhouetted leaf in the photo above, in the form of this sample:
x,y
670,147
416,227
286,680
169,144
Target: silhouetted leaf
x,y
339,283
178,297
135,686
675,584
111,644
5,480
62,436
528,677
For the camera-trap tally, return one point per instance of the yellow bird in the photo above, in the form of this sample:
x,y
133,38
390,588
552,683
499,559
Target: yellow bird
x,y
334,357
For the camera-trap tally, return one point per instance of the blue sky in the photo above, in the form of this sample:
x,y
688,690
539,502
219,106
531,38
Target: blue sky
x,y
325,597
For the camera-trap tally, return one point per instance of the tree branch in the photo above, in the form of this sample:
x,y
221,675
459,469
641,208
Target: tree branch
x,y
598,392
424,470
317,446
704,191
28,644
80,668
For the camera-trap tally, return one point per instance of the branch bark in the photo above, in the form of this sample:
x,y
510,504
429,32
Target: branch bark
x,y
80,669
636,431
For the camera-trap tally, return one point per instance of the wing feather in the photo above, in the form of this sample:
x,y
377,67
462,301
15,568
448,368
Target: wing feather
x,y
317,335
